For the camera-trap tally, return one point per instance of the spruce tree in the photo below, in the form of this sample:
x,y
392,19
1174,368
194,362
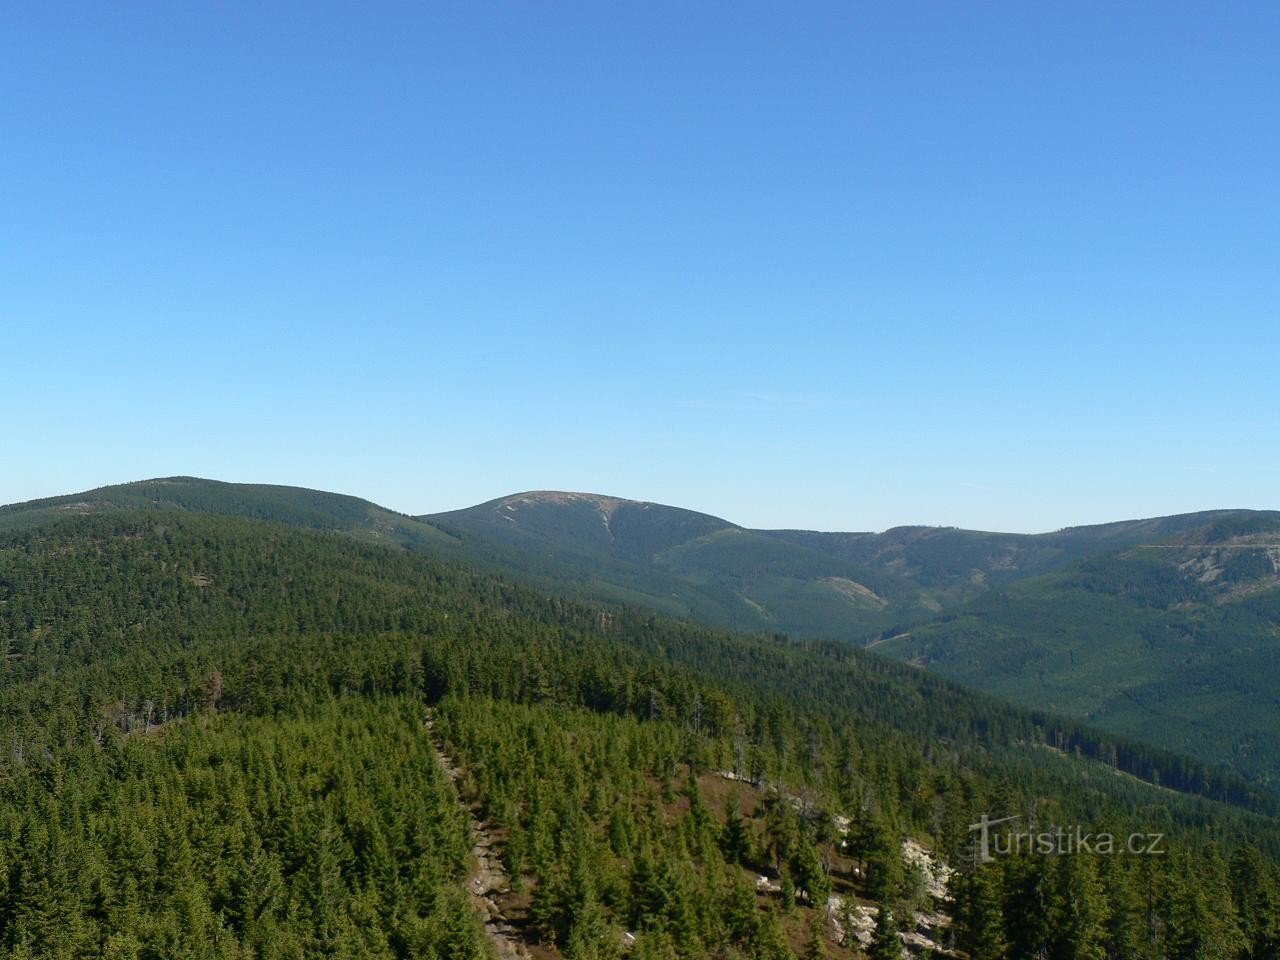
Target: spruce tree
x,y
979,914
1257,898
1084,911
886,944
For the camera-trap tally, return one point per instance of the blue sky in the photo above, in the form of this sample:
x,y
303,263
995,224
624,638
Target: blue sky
x,y
843,266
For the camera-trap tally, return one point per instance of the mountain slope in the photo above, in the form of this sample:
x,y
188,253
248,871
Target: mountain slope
x,y
294,506
215,733
1176,642
676,560
847,586
948,564
591,523
1162,629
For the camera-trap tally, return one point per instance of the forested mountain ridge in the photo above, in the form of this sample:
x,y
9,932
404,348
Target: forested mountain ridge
x,y
1173,642
1161,629
959,562
295,506
215,747
844,586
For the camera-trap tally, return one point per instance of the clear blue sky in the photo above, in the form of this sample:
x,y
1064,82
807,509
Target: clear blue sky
x,y
845,266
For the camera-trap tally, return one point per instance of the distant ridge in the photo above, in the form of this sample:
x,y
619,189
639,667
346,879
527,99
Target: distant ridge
x,y
295,506
1166,629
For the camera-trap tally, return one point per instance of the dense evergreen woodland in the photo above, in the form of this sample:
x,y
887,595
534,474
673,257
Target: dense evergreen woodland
x,y
217,741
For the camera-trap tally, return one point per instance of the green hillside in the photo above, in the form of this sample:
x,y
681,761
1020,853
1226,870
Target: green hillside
x,y
594,547
290,505
1162,629
1175,643
680,562
225,736
846,586
942,566
1138,626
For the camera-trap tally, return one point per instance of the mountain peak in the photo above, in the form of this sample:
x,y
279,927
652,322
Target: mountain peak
x,y
606,504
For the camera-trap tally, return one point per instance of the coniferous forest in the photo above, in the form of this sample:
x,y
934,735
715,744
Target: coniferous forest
x,y
224,737
822,505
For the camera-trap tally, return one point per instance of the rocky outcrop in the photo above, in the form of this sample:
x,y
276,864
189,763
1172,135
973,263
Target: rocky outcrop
x,y
488,880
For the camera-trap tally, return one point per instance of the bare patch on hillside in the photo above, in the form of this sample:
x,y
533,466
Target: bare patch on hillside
x,y
858,594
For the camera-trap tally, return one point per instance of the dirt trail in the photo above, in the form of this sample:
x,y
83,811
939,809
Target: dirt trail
x,y
488,878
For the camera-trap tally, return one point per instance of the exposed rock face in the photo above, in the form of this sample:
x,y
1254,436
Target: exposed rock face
x,y
851,922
